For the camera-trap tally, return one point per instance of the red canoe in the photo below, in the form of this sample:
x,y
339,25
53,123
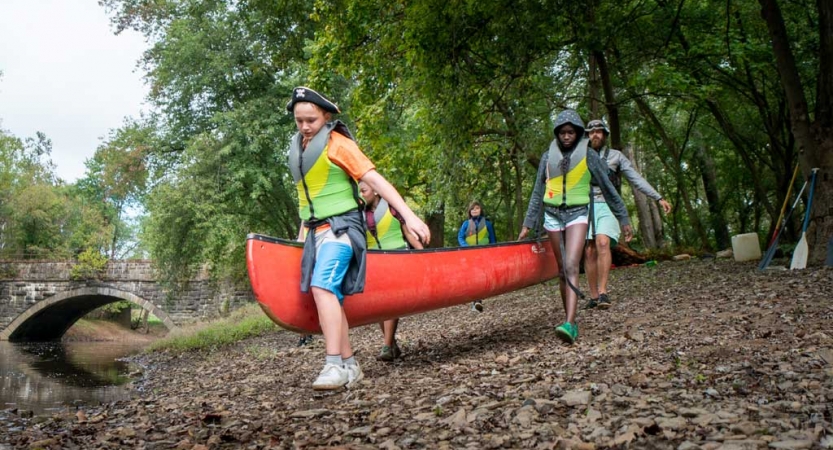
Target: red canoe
x,y
399,282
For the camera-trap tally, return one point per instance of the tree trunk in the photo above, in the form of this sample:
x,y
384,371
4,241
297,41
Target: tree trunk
x,y
520,211
709,175
506,181
756,225
626,256
745,154
593,91
593,82
145,314
675,223
436,225
646,220
821,217
656,218
814,138
647,229
675,169
610,102
650,222
517,155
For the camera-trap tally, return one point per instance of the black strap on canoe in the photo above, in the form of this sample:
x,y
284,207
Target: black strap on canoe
x,y
592,215
304,183
561,269
558,211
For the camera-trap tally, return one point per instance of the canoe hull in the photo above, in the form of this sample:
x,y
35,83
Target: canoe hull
x,y
399,283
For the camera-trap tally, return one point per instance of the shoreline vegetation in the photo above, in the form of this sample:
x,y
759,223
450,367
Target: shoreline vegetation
x,y
243,323
106,330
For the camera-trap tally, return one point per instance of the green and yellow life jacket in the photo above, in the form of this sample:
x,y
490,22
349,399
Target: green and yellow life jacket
x,y
324,189
386,231
572,189
476,232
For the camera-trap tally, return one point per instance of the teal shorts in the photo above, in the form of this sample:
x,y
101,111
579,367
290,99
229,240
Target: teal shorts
x,y
606,223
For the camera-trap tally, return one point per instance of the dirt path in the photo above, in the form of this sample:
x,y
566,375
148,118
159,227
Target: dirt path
x,y
692,355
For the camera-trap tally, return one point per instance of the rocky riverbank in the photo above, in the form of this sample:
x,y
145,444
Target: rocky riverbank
x,y
694,354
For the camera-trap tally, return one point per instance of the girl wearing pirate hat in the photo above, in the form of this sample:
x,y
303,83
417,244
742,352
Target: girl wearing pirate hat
x,y
326,164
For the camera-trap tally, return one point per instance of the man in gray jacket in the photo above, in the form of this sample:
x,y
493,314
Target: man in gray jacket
x,y
604,233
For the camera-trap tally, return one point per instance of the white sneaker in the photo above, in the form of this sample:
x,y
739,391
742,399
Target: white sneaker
x,y
332,377
354,375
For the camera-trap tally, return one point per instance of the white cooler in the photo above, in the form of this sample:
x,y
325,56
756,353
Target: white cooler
x,y
746,247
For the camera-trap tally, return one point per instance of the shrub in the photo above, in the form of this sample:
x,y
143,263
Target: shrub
x,y
248,321
90,265
7,271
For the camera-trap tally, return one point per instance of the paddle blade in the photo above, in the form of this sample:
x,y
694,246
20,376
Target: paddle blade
x,y
800,254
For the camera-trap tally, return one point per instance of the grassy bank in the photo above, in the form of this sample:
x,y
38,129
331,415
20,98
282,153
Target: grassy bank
x,y
87,330
243,323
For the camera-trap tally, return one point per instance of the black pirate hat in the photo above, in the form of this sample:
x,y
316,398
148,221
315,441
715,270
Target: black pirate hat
x,y
305,94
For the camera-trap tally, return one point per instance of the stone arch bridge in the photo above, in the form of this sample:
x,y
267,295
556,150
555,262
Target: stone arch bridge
x,y
39,300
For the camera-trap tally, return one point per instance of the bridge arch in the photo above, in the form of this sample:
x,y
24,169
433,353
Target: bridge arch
x,y
50,318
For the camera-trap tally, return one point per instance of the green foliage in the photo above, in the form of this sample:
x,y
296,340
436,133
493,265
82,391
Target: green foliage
x,y
229,187
140,316
217,161
243,323
7,271
448,97
41,216
37,212
115,307
115,183
451,100
33,202
90,265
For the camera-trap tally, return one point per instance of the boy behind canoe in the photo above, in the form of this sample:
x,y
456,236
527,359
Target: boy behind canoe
x,y
386,231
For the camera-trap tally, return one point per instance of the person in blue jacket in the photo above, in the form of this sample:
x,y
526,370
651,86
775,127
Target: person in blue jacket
x,y
476,230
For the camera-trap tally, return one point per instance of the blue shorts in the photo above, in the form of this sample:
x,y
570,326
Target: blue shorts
x,y
331,263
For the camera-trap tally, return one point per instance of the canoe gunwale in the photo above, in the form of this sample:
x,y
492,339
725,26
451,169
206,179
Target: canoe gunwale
x,y
293,243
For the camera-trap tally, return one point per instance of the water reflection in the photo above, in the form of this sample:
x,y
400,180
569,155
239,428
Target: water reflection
x,y
45,377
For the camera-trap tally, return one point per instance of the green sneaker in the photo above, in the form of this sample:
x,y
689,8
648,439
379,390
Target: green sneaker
x,y
386,354
567,332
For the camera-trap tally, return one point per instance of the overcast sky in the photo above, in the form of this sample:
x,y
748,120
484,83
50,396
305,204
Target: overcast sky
x,y
65,73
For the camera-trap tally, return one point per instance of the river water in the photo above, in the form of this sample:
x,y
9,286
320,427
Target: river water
x,y
47,377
